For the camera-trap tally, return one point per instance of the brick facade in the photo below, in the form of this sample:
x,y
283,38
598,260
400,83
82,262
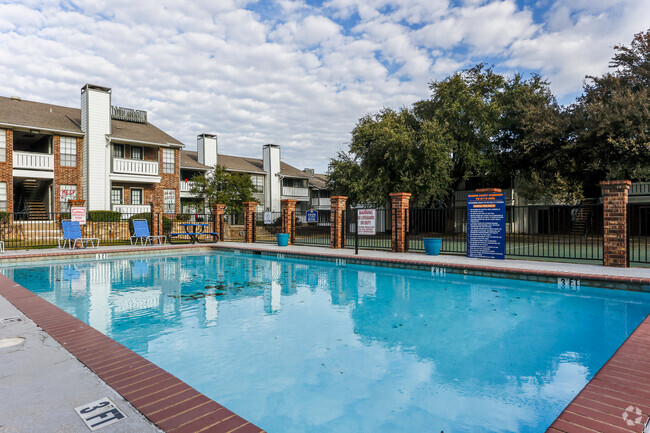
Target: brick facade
x,y
338,204
399,225
615,198
66,175
288,207
167,180
249,220
7,169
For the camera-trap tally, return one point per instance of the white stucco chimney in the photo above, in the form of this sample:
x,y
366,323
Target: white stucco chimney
x,y
272,187
206,146
96,163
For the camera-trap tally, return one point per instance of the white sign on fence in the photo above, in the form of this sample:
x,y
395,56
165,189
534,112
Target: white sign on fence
x,y
367,221
268,218
78,214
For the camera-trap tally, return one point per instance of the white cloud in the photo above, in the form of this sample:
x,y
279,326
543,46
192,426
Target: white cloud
x,y
300,78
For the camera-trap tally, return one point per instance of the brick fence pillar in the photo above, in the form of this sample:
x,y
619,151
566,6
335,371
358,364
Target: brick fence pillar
x,y
156,219
288,207
338,204
249,220
217,215
615,222
399,225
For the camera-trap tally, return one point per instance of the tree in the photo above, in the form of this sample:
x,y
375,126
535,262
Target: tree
x,y
611,120
390,152
223,187
467,107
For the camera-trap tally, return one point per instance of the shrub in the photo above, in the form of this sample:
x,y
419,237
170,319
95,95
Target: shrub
x,y
167,223
5,217
104,216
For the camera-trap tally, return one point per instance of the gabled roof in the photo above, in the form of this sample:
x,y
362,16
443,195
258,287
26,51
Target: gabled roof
x,y
36,115
55,118
141,132
189,160
318,181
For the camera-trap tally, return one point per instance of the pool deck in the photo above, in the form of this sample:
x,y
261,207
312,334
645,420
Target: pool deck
x,y
617,399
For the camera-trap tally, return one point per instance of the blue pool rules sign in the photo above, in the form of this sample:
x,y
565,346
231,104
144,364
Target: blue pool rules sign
x,y
486,224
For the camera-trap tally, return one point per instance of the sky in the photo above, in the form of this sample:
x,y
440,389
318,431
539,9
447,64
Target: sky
x,y
293,72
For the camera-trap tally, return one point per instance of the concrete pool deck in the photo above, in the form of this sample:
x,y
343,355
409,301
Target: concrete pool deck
x,y
623,383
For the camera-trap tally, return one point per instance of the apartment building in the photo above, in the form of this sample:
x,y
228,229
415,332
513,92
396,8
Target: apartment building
x,y
113,158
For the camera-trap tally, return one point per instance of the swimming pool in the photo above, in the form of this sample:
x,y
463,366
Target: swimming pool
x,y
308,346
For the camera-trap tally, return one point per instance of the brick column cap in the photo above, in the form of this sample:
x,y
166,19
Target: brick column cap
x,y
489,190
395,195
338,197
218,206
77,202
615,182
288,200
155,206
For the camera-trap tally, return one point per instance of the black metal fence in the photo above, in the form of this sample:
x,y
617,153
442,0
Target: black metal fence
x,y
638,238
19,231
265,230
182,227
307,232
558,232
380,240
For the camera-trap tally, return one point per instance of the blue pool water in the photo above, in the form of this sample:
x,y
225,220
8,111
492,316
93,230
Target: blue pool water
x,y
306,346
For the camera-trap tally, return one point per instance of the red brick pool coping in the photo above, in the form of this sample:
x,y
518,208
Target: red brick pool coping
x,y
165,400
622,383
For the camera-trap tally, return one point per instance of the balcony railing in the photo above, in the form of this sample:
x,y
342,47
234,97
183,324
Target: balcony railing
x,y
186,186
295,192
130,209
33,160
320,202
640,188
135,166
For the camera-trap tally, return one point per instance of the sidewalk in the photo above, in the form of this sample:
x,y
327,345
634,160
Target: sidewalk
x,y
41,383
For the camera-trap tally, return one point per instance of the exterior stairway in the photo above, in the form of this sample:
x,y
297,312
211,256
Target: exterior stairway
x,y
34,201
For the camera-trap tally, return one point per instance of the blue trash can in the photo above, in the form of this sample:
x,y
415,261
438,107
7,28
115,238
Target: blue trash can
x,y
432,246
283,239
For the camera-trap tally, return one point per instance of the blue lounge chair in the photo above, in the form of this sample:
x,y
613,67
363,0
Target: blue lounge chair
x,y
72,235
141,233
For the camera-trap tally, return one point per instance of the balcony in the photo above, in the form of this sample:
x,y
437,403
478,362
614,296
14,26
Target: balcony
x,y
320,202
33,161
128,210
295,192
135,166
186,186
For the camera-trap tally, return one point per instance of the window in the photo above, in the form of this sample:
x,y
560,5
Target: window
x,y
118,151
258,182
68,152
3,196
3,145
294,183
67,192
117,196
136,153
168,160
136,196
169,196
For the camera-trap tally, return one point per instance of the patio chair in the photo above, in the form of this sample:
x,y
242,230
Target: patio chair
x,y
141,233
72,235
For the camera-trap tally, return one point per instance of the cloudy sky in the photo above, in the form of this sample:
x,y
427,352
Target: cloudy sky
x,y
295,73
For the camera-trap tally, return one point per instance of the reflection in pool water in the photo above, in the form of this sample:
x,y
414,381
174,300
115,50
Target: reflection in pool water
x,y
306,346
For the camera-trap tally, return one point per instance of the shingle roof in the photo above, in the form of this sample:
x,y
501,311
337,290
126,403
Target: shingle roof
x,y
49,117
145,132
318,181
189,159
37,115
